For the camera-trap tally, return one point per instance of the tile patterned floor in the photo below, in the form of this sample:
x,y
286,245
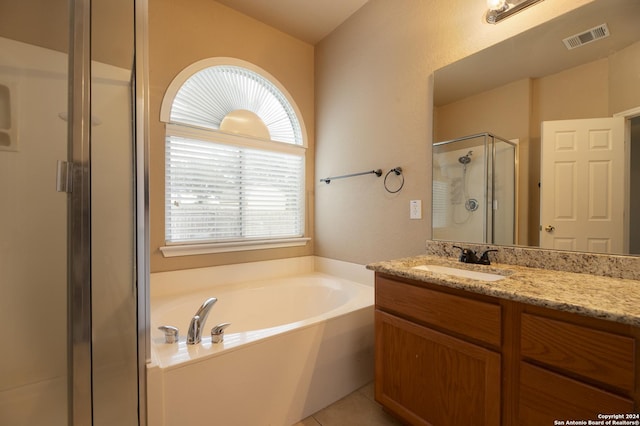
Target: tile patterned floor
x,y
356,409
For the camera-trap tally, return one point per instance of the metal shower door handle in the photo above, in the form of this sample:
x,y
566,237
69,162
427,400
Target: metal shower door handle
x,y
64,176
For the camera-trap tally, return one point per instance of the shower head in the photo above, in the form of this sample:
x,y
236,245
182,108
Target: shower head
x,y
465,159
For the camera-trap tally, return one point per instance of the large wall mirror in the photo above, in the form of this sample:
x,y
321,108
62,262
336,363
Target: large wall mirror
x,y
566,95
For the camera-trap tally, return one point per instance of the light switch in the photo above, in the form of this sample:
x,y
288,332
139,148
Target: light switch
x,y
415,209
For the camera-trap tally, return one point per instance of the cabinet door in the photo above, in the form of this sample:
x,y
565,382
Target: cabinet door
x,y
546,396
429,378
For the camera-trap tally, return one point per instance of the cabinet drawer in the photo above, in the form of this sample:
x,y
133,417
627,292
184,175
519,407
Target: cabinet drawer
x,y
598,355
545,396
461,315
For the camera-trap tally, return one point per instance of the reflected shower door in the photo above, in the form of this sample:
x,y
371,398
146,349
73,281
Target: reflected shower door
x,y
474,189
503,193
460,190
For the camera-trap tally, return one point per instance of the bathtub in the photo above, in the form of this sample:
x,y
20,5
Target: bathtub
x,y
296,343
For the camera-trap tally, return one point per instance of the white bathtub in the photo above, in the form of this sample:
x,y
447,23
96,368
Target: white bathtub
x,y
295,344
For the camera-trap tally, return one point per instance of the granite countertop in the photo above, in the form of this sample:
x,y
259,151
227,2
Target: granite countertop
x,y
613,299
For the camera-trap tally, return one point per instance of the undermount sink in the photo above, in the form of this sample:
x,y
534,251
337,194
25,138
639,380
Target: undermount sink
x,y
461,273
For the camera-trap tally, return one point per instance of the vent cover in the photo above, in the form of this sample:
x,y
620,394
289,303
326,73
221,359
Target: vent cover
x,y
578,40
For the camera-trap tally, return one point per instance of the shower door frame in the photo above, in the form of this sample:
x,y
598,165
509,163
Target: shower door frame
x,y
79,329
516,150
80,410
141,140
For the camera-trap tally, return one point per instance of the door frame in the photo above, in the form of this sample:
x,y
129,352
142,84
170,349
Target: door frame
x,y
628,115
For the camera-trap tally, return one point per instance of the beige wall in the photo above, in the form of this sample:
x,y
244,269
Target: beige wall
x,y
48,22
624,79
504,111
45,23
183,32
570,94
373,103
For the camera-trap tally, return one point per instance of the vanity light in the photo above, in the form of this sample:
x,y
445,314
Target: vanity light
x,y
497,5
501,9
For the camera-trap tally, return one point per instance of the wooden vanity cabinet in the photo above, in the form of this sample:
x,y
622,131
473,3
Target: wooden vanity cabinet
x,y
451,357
437,355
574,368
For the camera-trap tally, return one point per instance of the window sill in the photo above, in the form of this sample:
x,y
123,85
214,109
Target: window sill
x,y
210,248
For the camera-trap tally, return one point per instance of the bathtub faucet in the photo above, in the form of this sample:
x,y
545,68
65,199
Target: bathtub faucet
x,y
194,334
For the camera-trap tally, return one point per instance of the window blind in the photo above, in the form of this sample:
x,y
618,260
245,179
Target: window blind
x,y
218,192
210,94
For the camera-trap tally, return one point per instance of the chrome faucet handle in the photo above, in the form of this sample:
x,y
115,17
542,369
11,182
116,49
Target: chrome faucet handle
x,y
195,332
170,333
217,332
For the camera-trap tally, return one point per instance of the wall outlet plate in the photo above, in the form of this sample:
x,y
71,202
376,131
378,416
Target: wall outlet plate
x,y
415,209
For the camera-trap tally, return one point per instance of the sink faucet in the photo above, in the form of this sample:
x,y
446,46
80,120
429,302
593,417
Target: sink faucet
x,y
470,256
194,334
484,259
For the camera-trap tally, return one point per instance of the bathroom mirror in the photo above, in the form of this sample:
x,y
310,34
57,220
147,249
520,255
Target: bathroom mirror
x,y
510,88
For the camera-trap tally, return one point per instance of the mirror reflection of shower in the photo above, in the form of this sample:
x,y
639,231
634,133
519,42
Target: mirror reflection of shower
x,y
474,189
471,204
465,159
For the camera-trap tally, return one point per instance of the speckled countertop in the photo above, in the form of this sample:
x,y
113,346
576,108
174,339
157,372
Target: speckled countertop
x,y
610,298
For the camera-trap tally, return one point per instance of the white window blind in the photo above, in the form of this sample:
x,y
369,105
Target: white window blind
x,y
218,192
207,97
230,185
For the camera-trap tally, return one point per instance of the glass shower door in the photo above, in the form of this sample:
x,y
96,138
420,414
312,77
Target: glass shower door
x,y
474,190
33,215
460,189
67,260
114,334
503,192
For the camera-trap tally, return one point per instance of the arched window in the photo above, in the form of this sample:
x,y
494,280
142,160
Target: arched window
x,y
235,155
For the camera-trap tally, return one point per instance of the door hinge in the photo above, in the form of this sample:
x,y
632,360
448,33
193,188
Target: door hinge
x,y
64,176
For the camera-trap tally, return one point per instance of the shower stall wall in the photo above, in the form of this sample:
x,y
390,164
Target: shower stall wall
x,y
474,189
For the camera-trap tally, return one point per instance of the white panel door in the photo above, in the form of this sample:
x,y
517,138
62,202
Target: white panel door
x,y
582,185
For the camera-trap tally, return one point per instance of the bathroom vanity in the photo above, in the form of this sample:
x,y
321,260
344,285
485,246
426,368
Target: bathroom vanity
x,y
534,347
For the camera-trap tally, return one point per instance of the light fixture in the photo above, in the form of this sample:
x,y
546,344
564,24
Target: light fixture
x,y
497,5
501,9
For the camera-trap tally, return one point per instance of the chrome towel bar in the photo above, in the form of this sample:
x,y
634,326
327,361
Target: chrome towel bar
x,y
328,180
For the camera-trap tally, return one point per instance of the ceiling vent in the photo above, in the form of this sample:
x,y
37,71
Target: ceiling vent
x,y
586,37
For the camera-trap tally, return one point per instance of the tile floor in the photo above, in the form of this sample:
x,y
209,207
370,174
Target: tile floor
x,y
356,409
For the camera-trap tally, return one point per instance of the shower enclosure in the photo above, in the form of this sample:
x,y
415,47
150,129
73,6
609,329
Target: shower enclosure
x,y
69,269
474,189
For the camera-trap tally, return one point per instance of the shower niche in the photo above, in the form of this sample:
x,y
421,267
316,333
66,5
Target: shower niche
x,y
8,140
474,189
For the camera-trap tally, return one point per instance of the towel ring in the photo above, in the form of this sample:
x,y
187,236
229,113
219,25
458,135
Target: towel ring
x,y
398,172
